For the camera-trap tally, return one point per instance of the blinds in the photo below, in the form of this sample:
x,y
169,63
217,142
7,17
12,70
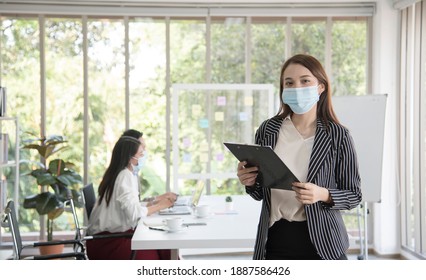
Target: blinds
x,y
401,4
185,9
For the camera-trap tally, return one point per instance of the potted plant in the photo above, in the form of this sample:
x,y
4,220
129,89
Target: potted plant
x,y
229,204
57,179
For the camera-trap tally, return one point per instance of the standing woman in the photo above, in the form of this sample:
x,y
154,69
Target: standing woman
x,y
306,223
117,209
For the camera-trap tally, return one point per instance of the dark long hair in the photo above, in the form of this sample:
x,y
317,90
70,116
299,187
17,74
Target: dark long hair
x,y
325,110
133,133
125,148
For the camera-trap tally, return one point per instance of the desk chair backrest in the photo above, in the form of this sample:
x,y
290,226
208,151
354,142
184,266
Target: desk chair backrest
x,y
89,198
12,222
78,228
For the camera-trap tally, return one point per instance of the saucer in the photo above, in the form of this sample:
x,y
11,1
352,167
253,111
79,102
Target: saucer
x,y
175,230
203,217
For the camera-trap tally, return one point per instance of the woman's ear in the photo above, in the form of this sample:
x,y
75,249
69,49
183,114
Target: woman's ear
x,y
321,88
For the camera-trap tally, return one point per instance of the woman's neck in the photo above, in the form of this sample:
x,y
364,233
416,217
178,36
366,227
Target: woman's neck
x,y
306,123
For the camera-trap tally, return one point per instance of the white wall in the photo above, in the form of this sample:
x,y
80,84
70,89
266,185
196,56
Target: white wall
x,y
385,58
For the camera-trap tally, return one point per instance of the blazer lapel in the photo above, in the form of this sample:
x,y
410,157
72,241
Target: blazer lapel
x,y
273,130
322,146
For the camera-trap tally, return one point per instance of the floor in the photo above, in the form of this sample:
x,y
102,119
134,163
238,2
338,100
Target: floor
x,y
246,256
189,255
4,254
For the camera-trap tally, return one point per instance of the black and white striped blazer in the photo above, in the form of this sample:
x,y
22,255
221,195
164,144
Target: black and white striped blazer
x,y
333,165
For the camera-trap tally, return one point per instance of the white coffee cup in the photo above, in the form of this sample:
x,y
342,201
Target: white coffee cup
x,y
202,210
173,223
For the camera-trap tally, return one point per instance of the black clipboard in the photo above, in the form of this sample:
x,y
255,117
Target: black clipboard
x,y
273,173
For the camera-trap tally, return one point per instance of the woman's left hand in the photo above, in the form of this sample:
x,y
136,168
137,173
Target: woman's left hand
x,y
308,193
168,195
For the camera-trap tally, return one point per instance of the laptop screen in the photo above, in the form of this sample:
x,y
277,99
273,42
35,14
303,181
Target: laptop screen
x,y
198,191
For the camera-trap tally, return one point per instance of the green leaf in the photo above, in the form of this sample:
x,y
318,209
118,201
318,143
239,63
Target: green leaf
x,y
48,146
45,179
30,202
57,167
44,202
63,192
47,202
70,178
54,139
38,172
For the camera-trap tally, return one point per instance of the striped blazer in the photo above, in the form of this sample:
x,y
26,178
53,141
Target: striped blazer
x,y
333,165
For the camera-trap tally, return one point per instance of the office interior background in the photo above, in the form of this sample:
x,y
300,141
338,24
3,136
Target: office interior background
x,y
88,70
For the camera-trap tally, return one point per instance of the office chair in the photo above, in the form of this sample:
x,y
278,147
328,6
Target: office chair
x,y
10,220
89,199
79,230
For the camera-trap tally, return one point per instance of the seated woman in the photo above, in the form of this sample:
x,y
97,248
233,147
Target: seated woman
x,y
118,210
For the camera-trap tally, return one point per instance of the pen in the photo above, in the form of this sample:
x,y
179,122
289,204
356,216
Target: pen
x,y
194,224
160,229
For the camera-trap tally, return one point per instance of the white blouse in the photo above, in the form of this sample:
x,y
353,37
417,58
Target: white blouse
x,y
124,209
295,152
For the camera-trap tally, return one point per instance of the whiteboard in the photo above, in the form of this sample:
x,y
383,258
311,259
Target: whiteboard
x,y
364,116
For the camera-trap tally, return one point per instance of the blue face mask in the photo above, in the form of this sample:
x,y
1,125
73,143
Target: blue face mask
x,y
301,100
141,163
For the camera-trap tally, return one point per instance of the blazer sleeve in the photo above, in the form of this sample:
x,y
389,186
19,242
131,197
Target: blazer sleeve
x,y
348,194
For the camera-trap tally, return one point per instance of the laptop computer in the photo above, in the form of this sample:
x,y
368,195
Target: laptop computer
x,y
183,200
186,203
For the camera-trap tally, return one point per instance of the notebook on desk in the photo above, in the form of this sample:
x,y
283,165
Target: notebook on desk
x,y
186,203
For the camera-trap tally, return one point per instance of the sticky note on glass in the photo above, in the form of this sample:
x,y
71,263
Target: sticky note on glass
x,y
219,157
196,109
219,116
221,100
204,123
186,142
186,157
204,147
248,101
204,157
243,116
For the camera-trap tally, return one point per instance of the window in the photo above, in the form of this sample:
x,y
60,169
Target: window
x,y
147,97
103,74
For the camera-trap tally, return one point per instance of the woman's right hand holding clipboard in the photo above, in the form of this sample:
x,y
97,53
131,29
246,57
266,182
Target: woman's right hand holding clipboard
x,y
247,175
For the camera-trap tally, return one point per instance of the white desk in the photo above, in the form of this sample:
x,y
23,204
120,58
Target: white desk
x,y
222,230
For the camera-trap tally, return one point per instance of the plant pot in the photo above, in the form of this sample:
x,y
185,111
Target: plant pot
x,y
51,249
229,206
